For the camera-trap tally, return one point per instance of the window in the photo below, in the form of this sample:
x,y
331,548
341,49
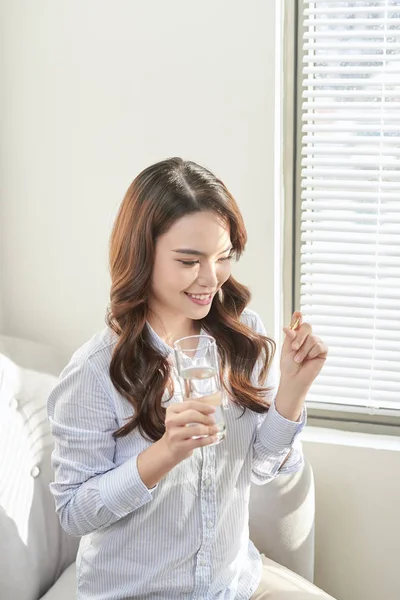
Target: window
x,y
349,279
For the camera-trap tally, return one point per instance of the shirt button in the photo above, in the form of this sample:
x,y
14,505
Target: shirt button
x,y
210,524
137,500
207,482
203,562
35,471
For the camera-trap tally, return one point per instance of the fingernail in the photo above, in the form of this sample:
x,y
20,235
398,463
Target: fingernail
x,y
297,358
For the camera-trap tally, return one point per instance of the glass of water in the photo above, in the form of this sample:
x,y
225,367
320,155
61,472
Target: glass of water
x,y
198,368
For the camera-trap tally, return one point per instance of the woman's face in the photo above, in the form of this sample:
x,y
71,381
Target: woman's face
x,y
192,262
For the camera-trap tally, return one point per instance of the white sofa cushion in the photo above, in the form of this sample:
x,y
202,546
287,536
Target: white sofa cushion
x,y
32,355
34,550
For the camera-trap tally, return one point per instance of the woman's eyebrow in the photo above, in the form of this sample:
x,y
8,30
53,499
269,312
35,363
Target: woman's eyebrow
x,y
193,252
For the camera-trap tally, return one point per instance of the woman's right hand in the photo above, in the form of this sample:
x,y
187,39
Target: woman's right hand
x,y
185,420
177,444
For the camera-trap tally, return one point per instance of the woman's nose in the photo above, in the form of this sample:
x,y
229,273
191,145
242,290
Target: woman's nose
x,y
208,278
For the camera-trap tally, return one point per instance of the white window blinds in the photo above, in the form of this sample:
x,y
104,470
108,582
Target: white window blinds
x,y
350,217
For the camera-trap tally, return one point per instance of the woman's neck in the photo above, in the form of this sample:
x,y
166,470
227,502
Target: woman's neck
x,y
170,330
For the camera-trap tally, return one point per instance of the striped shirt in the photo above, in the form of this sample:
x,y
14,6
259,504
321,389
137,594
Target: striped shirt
x,y
186,538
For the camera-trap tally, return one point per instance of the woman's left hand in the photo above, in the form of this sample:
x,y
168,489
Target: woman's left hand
x,y
302,357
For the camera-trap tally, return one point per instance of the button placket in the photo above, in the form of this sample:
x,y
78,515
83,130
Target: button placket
x,y
208,503
208,514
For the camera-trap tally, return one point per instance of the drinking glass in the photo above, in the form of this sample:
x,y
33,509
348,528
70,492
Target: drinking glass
x,y
198,366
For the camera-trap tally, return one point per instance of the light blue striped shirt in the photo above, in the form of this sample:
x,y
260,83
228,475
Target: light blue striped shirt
x,y
188,537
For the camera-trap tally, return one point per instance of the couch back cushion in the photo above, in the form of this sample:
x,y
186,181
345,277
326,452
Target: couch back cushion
x,y
33,548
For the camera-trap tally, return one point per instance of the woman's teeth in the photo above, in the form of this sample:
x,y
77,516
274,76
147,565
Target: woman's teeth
x,y
200,296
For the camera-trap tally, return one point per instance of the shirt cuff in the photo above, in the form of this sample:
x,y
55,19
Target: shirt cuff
x,y
122,489
277,433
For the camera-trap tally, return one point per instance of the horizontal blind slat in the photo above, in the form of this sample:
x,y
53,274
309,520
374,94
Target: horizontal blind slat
x,y
392,128
323,234
382,329
369,8
354,270
358,21
374,261
348,194
340,353
345,106
350,34
358,313
358,295
375,218
350,403
313,58
380,45
386,285
317,115
357,390
329,249
368,153
374,71
387,233
313,93
385,379
354,173
384,162
353,185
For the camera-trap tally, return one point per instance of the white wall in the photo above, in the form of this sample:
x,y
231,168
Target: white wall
x,y
357,482
96,91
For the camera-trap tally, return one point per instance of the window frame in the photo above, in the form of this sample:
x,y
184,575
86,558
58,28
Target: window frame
x,y
357,419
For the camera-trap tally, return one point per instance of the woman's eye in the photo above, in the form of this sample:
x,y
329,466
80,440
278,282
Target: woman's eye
x,y
189,263
230,257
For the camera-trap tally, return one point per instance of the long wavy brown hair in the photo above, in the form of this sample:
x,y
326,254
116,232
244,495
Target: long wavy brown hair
x,y
159,196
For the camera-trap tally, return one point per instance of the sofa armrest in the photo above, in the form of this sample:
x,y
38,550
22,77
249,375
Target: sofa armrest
x,y
65,586
282,520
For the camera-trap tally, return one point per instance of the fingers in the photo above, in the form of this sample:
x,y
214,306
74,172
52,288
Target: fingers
x,y
290,333
179,435
319,350
200,443
301,341
301,336
189,425
191,431
313,347
190,419
197,405
189,416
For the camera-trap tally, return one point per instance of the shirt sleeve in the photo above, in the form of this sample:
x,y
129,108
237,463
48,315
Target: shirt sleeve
x,y
89,489
277,439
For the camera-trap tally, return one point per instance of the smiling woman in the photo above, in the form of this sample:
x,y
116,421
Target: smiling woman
x,y
162,507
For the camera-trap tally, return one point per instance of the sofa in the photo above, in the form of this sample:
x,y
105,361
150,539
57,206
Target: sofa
x,y
37,558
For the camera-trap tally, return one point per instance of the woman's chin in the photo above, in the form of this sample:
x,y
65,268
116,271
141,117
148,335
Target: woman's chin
x,y
197,311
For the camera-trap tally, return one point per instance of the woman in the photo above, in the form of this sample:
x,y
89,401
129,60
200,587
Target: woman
x,y
163,515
